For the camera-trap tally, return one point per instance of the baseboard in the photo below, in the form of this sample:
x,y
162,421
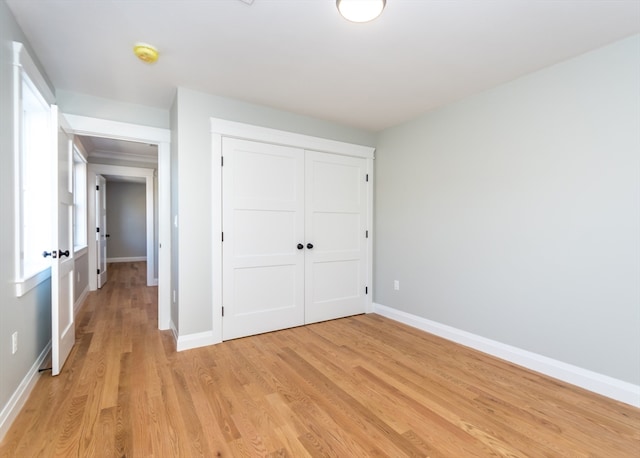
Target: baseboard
x,y
20,396
131,259
190,341
80,302
602,384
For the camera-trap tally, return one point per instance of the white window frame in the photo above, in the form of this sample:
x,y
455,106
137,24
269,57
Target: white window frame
x,y
80,210
25,69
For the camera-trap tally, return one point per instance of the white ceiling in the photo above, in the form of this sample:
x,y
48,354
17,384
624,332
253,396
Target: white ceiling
x,y
301,56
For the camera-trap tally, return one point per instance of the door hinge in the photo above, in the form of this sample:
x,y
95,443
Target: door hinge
x,y
366,234
98,271
222,236
97,229
97,188
221,161
366,290
222,311
367,177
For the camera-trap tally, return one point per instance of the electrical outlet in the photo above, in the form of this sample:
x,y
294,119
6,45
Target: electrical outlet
x,y
14,343
396,285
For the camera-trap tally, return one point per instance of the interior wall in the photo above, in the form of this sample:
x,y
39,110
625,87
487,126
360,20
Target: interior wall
x,y
97,107
126,220
515,214
191,130
82,275
175,233
29,315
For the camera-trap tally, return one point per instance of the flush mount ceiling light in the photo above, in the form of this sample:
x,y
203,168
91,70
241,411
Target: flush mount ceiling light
x,y
360,10
145,52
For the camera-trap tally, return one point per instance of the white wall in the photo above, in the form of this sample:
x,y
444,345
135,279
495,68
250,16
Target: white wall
x,y
515,214
191,192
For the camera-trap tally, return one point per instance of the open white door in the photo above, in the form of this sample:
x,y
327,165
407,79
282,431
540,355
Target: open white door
x,y
62,265
101,229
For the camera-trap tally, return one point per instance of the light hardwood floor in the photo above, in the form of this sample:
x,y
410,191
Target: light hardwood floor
x,y
360,386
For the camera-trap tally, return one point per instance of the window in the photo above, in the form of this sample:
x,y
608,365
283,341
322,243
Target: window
x,y
79,200
34,152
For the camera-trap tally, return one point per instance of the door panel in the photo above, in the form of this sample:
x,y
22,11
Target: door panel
x,y
62,267
336,208
101,233
275,198
263,222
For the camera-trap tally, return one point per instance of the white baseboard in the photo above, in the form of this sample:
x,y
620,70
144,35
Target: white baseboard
x,y
132,259
20,396
190,341
602,384
80,302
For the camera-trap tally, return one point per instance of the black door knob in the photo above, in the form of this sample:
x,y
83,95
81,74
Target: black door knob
x,y
309,245
64,253
46,253
107,235
300,246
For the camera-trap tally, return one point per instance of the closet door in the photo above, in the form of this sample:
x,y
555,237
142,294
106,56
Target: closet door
x,y
336,218
263,225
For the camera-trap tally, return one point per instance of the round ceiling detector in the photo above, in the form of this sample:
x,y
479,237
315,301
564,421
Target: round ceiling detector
x,y
145,52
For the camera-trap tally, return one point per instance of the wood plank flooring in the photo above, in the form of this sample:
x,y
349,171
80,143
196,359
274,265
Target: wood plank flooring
x,y
356,387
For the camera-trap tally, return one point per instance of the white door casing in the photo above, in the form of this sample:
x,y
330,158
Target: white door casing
x,y
101,230
336,227
263,224
95,127
222,128
62,264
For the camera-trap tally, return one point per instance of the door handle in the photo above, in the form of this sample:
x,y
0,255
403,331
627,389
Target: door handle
x,y
64,253
46,253
300,246
309,245
107,235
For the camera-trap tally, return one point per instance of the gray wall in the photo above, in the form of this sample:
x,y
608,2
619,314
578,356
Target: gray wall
x,y
515,214
126,220
191,171
30,315
81,266
98,107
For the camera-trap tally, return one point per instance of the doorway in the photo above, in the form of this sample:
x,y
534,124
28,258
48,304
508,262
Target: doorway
x,y
96,170
157,244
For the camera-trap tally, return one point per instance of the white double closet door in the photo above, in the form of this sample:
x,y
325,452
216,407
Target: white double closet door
x,y
294,245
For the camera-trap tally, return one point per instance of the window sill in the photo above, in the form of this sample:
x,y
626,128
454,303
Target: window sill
x,y
80,250
25,285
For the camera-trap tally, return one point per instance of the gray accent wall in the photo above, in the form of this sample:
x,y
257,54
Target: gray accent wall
x,y
515,214
126,220
29,315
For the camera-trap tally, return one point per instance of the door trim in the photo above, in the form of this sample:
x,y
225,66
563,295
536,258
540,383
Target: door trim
x,y
93,170
95,127
223,128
